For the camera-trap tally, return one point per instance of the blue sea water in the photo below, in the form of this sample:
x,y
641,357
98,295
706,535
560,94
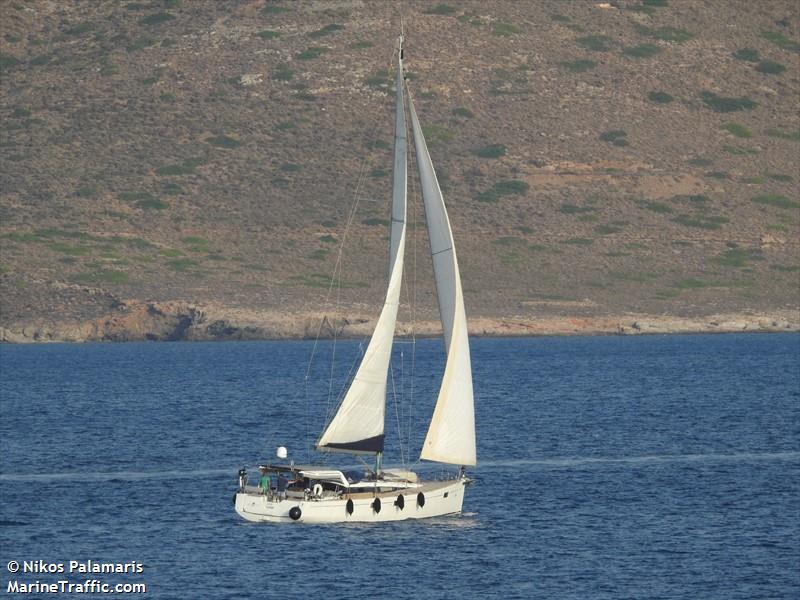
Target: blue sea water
x,y
609,467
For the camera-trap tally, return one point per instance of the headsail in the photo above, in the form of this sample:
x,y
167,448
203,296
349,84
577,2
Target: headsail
x,y
358,425
451,435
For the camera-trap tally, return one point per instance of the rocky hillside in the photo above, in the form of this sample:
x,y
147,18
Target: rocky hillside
x,y
600,160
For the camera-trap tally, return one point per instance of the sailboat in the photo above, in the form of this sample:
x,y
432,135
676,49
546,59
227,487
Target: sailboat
x,y
320,494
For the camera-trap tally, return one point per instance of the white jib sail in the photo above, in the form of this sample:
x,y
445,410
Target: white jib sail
x,y
451,435
358,425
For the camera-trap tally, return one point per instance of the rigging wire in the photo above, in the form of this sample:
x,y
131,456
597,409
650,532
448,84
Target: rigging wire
x,y
336,282
412,300
396,411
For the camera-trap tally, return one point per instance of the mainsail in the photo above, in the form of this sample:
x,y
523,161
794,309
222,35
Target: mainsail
x,y
358,426
451,435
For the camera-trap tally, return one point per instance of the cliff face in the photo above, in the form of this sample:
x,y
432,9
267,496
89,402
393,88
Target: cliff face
x,y
187,170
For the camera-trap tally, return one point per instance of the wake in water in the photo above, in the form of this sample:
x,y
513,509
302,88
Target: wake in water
x,y
577,461
119,476
665,458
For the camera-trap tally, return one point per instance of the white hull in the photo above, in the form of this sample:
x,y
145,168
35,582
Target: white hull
x,y
440,498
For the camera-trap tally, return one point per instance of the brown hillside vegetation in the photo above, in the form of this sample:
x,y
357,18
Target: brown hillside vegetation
x,y
186,169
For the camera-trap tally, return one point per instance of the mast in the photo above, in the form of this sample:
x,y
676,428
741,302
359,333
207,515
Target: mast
x,y
399,172
358,425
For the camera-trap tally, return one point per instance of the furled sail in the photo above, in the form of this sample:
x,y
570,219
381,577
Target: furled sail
x,y
358,425
451,435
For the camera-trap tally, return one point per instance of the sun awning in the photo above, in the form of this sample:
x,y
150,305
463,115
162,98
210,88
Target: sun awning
x,y
326,475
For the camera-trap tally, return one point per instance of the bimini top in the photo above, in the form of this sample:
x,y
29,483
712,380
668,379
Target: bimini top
x,y
313,472
395,478
336,477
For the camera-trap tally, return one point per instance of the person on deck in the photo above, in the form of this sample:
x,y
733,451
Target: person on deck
x,y
282,481
264,482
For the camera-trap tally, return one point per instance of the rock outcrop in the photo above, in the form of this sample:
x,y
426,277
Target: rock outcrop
x,y
181,321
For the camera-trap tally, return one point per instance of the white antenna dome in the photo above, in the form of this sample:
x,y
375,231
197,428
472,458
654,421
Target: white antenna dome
x,y
281,452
